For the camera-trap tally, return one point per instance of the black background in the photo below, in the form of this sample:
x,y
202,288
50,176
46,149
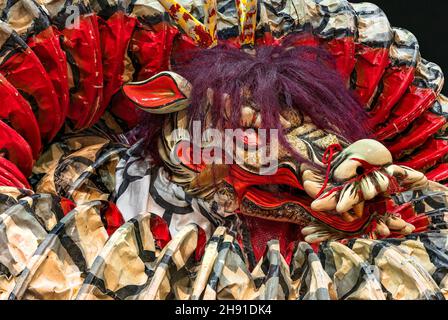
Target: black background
x,y
285,310
427,20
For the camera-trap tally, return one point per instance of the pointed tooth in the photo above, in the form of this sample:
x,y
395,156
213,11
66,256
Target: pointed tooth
x,y
408,229
317,237
382,181
395,171
312,188
408,176
325,202
359,209
414,178
310,230
368,188
395,223
257,122
349,197
423,183
311,175
382,229
412,175
347,217
405,175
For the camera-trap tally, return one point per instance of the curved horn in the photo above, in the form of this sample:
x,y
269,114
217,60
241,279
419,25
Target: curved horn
x,y
203,35
247,14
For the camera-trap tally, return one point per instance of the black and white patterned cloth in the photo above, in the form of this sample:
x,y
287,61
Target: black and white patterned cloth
x,y
142,188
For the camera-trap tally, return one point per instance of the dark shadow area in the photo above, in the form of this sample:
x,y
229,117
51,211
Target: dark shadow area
x,y
427,20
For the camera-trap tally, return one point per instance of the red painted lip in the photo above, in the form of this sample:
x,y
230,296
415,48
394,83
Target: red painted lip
x,y
155,93
241,179
269,201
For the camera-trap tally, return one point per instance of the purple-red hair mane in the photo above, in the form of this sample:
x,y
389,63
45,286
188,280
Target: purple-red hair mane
x,y
302,77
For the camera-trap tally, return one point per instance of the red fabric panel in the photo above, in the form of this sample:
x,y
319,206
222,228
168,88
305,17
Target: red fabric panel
x,y
15,148
66,205
83,45
200,245
115,34
423,128
306,39
151,49
46,45
125,110
12,175
394,84
24,71
18,113
267,39
439,173
411,106
343,50
183,45
370,66
160,231
427,155
112,217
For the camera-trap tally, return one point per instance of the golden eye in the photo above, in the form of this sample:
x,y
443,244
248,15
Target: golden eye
x,y
257,122
291,118
285,123
248,117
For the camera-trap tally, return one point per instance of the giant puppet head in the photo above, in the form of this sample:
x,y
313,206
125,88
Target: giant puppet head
x,y
298,137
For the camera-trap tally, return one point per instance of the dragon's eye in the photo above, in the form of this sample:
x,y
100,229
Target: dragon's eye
x,y
360,170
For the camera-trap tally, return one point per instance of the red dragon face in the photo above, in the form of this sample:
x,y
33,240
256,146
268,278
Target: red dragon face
x,y
315,177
